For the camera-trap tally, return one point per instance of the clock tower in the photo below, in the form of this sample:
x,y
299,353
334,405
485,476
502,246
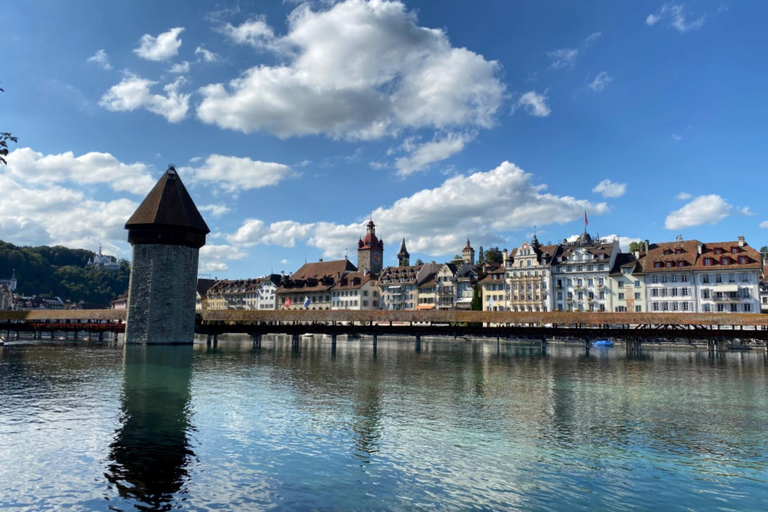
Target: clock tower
x,y
370,251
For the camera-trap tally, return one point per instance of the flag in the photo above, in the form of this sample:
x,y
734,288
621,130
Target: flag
x,y
288,302
307,302
586,221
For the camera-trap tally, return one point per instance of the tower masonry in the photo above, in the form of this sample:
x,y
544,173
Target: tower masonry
x,y
166,233
370,251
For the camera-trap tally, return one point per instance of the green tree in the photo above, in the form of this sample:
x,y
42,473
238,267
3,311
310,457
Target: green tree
x,y
477,300
764,252
4,138
457,260
419,262
637,246
494,255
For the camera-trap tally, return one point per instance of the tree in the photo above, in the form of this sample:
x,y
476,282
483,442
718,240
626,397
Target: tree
x,y
4,138
494,255
477,300
457,260
419,262
637,246
764,252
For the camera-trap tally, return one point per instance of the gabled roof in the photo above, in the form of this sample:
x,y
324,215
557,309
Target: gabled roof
x,y
169,205
626,261
323,268
754,259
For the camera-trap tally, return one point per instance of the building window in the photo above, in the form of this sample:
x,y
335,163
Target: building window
x,y
705,294
621,296
706,308
718,278
707,262
674,278
734,308
655,292
720,308
655,279
655,306
637,296
665,306
747,308
684,278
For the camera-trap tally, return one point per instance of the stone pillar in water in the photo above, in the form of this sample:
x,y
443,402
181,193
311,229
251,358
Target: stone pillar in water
x,y
166,233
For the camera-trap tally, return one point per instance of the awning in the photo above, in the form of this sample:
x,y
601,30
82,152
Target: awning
x,y
725,288
464,300
425,306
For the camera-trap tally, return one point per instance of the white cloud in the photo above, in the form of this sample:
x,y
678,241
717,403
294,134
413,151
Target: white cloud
x,y
566,57
102,59
180,67
764,224
684,196
535,104
677,137
216,210
624,241
92,168
284,261
676,16
610,189
133,92
206,55
385,75
162,47
233,174
601,80
708,209
213,258
436,221
430,152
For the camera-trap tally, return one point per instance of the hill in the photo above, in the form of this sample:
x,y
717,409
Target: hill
x,y
61,272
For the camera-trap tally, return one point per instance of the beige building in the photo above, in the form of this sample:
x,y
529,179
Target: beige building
x,y
493,290
357,291
310,286
529,278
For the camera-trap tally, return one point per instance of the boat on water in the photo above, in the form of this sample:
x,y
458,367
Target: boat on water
x,y
602,343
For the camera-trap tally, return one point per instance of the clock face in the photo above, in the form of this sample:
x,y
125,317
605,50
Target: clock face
x,y
376,258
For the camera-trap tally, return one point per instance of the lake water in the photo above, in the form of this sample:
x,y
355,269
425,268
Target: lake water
x,y
91,426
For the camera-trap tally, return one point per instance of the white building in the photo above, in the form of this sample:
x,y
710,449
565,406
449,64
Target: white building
x,y
357,291
580,271
104,262
528,277
399,286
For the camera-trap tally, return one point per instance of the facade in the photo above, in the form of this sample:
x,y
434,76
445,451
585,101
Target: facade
x,y
728,277
446,286
528,275
427,292
467,277
166,233
669,276
468,254
493,290
370,251
120,303
580,271
245,294
626,285
399,286
764,295
201,294
312,281
356,291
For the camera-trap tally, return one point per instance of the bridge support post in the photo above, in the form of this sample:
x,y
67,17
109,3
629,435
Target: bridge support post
x,y
295,340
256,340
215,340
375,343
74,335
101,335
53,334
418,343
586,345
333,341
498,344
208,341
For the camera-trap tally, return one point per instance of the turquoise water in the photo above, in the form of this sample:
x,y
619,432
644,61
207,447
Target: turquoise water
x,y
91,426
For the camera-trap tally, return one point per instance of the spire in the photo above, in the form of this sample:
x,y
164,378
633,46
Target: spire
x,y
403,257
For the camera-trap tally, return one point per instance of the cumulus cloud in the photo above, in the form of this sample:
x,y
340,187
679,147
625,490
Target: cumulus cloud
x,y
436,150
206,55
233,174
684,196
213,257
216,210
180,67
677,137
608,188
708,209
674,14
102,59
535,104
601,80
624,241
436,221
92,168
566,57
133,92
162,47
764,224
386,75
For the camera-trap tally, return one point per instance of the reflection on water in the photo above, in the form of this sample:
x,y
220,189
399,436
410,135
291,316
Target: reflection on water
x,y
151,451
454,426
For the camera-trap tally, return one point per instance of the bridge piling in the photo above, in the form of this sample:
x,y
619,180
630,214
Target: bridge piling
x,y
295,340
208,341
256,340
418,343
333,341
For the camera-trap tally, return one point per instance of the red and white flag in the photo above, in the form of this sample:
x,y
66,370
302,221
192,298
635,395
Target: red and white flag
x,y
288,302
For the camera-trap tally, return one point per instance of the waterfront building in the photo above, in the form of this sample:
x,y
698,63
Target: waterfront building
x,y
446,286
312,281
728,277
370,251
579,273
670,282
10,282
398,286
528,276
6,298
764,293
467,277
201,293
120,303
626,285
356,291
493,290
104,262
427,291
266,291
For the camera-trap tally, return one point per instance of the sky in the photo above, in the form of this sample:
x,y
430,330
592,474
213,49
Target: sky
x,y
291,124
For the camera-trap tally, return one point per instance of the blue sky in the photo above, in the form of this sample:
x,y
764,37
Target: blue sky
x,y
290,123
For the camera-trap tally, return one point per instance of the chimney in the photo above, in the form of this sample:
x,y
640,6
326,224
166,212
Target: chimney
x,y
320,260
699,248
741,241
637,254
647,246
505,257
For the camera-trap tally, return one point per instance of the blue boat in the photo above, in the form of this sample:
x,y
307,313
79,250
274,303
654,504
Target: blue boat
x,y
602,343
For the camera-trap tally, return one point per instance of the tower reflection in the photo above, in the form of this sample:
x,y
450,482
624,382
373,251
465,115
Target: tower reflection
x,y
151,453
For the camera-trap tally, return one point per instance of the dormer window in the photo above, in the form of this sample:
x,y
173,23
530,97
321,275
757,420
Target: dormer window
x,y
707,262
667,251
679,250
656,264
718,250
725,261
734,250
743,260
669,264
680,263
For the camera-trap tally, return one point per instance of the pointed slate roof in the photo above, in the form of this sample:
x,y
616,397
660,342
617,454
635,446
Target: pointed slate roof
x,y
168,206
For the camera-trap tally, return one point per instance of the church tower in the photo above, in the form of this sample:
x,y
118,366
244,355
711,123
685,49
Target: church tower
x,y
403,258
166,233
370,251
468,254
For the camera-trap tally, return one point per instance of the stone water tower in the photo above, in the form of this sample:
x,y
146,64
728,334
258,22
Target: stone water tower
x,y
166,233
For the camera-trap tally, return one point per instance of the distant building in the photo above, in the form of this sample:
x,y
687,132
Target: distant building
x,y
427,291
403,258
370,251
104,262
313,282
399,286
9,283
467,277
356,291
528,275
446,286
246,294
120,303
764,294
468,254
493,290
626,285
6,298
201,293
